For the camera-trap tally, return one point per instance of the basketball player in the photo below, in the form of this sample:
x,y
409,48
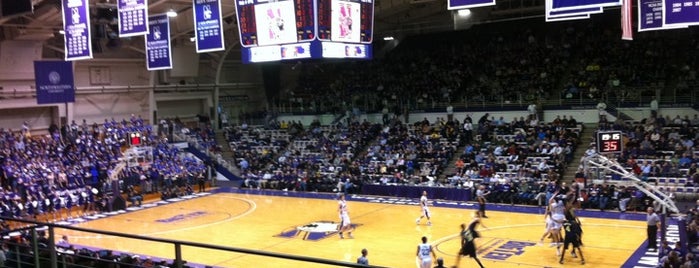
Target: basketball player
x,y
425,254
558,216
573,232
425,210
548,230
481,193
468,237
345,224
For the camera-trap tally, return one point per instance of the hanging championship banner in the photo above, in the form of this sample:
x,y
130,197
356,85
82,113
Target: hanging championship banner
x,y
54,82
650,16
158,50
76,25
132,17
208,28
572,14
463,4
680,13
578,4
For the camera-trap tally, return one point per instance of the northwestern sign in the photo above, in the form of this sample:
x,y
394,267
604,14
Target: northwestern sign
x,y
158,50
76,25
208,29
54,82
133,15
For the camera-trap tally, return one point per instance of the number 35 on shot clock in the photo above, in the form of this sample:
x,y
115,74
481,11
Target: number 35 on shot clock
x,y
609,142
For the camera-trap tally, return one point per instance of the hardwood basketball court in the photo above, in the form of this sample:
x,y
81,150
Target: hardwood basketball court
x,y
276,221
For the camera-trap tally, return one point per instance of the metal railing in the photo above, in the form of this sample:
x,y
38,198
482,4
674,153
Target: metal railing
x,y
373,105
35,253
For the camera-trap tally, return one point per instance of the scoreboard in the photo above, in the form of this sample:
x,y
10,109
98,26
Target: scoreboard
x,y
263,22
275,30
610,142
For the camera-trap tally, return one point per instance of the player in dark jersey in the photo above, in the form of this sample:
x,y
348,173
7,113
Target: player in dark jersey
x,y
468,237
572,236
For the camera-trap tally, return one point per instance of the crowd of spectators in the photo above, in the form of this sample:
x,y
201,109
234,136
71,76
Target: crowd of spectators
x,y
294,157
66,173
496,63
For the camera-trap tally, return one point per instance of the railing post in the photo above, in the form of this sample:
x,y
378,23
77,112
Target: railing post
x,y
35,247
178,255
52,248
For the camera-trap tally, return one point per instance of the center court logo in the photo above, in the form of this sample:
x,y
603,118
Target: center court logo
x,y
313,231
501,249
504,249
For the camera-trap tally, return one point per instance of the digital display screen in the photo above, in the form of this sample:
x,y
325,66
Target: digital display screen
x,y
346,20
609,142
305,29
262,22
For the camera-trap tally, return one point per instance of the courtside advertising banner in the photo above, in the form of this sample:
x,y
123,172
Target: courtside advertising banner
x,y
208,28
76,25
680,13
158,50
133,15
54,82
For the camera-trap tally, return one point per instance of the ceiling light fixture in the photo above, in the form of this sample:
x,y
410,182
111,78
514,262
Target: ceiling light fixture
x,y
464,12
171,13
388,38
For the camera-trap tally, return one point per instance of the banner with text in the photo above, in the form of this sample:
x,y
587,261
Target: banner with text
x,y
680,13
132,17
158,50
208,29
572,14
578,4
54,82
463,4
76,25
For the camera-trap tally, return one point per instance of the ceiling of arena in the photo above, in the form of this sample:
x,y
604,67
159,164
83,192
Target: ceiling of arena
x,y
392,17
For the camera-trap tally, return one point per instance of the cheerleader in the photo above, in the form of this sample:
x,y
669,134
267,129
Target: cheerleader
x,y
90,203
71,200
46,206
58,202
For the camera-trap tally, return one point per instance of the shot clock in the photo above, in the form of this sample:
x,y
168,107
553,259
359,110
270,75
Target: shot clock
x,y
610,142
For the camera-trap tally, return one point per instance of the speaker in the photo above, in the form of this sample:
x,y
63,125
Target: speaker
x,y
15,7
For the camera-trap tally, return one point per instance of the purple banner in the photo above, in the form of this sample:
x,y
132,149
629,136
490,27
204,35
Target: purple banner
x,y
650,15
158,50
578,4
462,4
132,17
680,13
207,25
76,24
566,18
574,12
54,82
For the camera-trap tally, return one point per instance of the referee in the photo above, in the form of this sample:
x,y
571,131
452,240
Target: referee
x,y
653,221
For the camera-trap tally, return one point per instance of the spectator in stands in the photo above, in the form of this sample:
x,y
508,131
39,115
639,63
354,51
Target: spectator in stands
x,y
134,196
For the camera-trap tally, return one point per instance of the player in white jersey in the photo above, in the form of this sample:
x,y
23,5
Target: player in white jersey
x,y
345,223
558,208
425,209
425,254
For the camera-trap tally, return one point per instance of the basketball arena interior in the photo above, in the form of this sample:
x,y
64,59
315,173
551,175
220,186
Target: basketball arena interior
x,y
344,133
